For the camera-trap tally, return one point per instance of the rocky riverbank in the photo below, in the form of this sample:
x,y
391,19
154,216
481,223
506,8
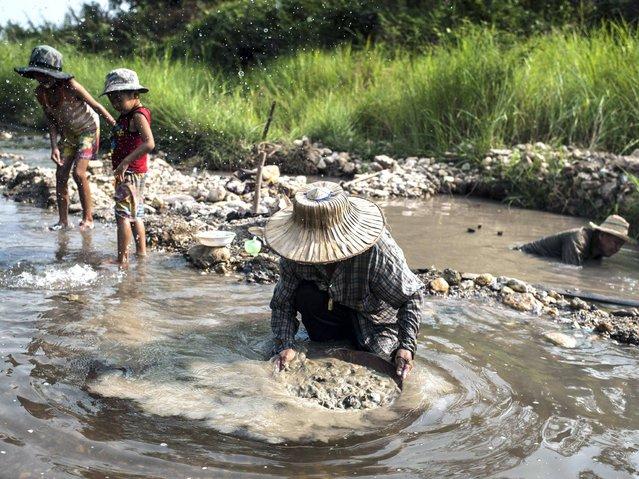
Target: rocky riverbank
x,y
179,205
619,324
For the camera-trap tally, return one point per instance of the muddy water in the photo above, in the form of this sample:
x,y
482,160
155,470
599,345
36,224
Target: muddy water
x,y
160,373
435,232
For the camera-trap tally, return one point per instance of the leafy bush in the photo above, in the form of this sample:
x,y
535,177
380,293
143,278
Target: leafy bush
x,y
235,33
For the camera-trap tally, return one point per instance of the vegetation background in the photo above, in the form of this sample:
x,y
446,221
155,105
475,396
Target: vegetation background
x,y
403,77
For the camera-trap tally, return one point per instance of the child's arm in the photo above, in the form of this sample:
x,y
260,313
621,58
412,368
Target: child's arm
x,y
83,94
53,130
148,143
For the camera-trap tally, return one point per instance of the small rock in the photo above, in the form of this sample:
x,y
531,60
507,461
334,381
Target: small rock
x,y
506,290
524,302
467,284
271,174
469,276
385,161
561,339
206,256
517,285
452,277
439,285
236,186
484,279
348,168
577,303
217,193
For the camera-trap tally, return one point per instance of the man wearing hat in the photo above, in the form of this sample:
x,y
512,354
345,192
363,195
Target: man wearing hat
x,y
590,242
345,275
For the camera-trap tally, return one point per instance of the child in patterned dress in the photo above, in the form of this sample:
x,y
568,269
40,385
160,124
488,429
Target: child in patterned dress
x,y
72,115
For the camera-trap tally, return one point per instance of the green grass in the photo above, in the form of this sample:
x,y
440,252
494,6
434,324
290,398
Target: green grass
x,y
558,88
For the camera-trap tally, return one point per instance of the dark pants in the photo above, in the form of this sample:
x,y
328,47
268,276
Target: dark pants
x,y
321,324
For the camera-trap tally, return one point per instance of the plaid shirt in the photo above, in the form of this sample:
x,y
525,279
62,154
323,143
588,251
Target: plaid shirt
x,y
377,284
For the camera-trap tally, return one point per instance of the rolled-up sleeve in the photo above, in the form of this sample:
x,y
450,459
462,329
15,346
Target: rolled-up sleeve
x,y
393,282
284,323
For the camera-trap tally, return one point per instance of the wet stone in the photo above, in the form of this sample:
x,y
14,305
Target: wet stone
x,y
561,339
452,277
522,302
517,285
577,303
439,285
484,279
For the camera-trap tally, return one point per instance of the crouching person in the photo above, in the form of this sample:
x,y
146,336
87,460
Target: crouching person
x,y
345,275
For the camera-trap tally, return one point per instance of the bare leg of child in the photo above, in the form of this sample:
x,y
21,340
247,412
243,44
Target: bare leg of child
x,y
124,239
62,193
84,190
140,236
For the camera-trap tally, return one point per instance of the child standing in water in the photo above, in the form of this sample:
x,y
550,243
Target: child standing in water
x,y
131,143
72,114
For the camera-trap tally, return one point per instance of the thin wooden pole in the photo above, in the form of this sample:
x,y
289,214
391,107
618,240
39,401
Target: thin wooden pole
x,y
261,159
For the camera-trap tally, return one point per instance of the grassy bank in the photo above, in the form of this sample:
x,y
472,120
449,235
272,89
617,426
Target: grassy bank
x,y
557,88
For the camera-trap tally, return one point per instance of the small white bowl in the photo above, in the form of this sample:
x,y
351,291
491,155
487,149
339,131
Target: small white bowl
x,y
215,239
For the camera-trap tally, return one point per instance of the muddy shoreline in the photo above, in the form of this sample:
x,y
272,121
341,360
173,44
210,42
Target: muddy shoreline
x,y
178,205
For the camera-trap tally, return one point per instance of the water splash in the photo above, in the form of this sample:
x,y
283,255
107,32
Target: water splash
x,y
50,278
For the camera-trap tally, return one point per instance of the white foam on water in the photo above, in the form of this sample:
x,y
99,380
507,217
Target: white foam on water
x,y
55,278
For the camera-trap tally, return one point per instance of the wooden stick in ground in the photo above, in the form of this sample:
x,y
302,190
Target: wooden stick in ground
x,y
261,159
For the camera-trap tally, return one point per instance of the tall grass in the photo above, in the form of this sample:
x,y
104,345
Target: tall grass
x,y
558,88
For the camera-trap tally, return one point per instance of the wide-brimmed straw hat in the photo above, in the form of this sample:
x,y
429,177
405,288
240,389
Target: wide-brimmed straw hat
x,y
46,60
615,225
122,79
324,225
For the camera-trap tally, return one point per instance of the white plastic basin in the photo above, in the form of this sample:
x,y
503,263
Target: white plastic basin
x,y
215,238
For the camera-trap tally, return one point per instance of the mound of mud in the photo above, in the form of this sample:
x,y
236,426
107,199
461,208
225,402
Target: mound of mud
x,y
337,384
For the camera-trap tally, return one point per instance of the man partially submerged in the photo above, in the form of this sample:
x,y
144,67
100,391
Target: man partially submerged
x,y
345,275
581,244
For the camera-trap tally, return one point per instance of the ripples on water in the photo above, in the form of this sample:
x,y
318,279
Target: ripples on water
x,y
160,373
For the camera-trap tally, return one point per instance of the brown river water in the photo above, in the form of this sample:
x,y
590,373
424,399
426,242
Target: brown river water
x,y
161,372
435,232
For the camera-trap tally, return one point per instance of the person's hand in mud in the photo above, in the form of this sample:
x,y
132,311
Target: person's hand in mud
x,y
403,362
55,156
283,358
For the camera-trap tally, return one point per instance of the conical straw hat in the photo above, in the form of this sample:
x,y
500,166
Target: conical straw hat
x,y
615,225
324,225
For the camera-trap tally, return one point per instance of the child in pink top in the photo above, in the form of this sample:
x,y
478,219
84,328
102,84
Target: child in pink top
x,y
132,141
